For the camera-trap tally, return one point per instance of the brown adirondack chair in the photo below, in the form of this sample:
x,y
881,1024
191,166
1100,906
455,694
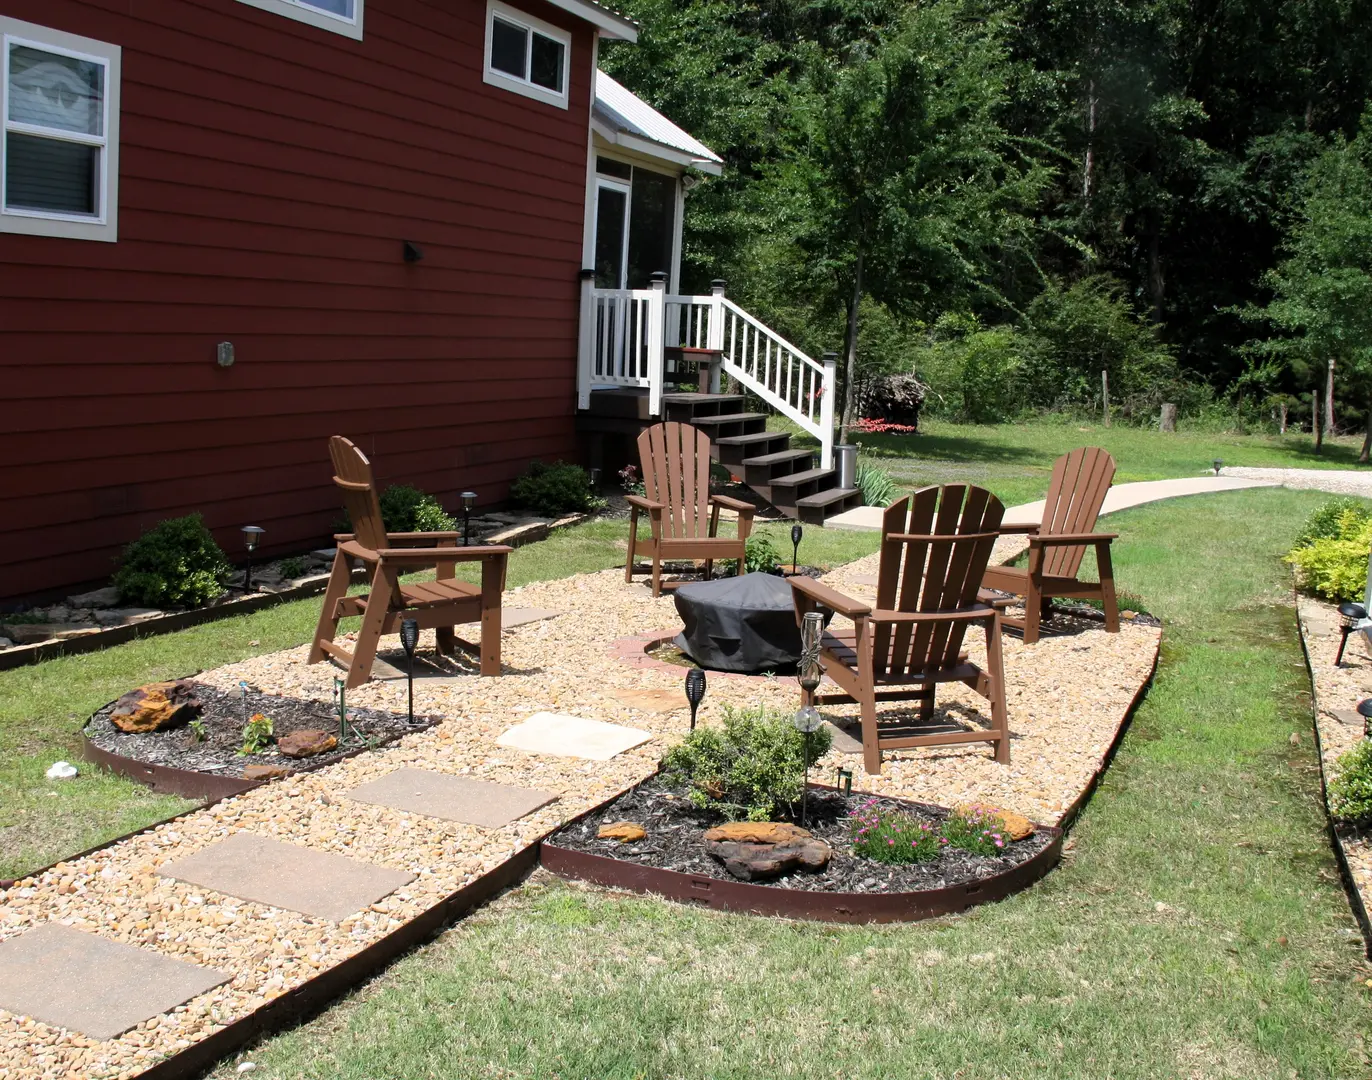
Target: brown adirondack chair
x,y
934,547
1057,544
438,605
683,515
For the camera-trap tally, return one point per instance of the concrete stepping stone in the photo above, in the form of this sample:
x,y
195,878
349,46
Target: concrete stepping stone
x,y
572,736
80,981
318,883
658,701
452,798
845,742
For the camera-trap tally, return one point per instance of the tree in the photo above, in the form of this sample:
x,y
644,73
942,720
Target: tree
x,y
1322,289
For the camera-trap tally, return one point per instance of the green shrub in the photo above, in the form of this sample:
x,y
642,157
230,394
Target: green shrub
x,y
878,489
176,563
560,488
1335,567
750,769
1327,522
292,567
975,831
888,836
1350,792
760,557
407,509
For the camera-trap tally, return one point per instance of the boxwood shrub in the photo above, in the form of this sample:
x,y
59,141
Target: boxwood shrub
x,y
176,563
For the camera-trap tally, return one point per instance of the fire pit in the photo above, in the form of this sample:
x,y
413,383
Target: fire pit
x,y
742,624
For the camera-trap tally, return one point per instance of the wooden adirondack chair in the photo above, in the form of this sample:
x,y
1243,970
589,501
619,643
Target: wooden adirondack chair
x,y
437,605
934,548
683,515
1057,544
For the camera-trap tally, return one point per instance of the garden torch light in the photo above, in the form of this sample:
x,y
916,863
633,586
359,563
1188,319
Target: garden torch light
x,y
1365,711
695,691
409,638
252,535
1350,614
1218,465
468,501
796,533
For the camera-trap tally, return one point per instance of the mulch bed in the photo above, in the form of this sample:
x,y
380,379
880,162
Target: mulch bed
x,y
222,718
674,829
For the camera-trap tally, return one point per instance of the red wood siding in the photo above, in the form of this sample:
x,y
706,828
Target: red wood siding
x,y
269,172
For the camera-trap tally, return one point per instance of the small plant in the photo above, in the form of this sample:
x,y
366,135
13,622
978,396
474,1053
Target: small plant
x,y
257,734
976,831
176,563
294,566
1350,792
888,836
878,489
750,769
630,481
407,509
560,488
199,733
760,557
870,426
1335,566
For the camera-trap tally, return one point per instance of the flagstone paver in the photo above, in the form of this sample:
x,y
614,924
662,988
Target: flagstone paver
x,y
253,867
572,736
72,979
454,798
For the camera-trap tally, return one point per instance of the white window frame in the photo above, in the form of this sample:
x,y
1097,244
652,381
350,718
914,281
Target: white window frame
x,y
535,26
104,225
303,11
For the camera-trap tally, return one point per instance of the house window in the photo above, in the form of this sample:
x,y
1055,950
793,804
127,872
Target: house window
x,y
526,55
59,156
341,16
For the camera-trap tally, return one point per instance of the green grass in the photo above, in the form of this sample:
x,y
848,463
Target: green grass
x,y
1197,929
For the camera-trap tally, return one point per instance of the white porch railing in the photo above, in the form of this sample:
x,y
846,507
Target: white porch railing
x,y
625,333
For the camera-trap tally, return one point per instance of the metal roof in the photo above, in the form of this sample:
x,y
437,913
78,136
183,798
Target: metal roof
x,y
633,123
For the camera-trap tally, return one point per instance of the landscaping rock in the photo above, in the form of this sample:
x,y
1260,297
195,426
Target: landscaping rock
x,y
155,706
758,832
31,633
306,743
59,614
96,598
266,772
135,614
623,831
1016,826
761,862
6,643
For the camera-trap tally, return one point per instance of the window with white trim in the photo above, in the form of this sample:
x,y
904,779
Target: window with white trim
x,y
526,55
59,147
341,16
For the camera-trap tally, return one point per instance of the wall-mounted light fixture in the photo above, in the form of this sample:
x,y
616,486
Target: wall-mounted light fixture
x,y
413,252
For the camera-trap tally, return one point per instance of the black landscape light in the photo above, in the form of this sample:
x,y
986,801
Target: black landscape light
x,y
1218,465
468,501
1350,614
252,536
595,481
796,533
409,638
695,691
844,782
1365,711
341,689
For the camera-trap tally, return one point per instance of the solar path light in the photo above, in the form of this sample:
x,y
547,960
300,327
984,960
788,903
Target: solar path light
x,y
468,501
409,638
252,536
1350,614
695,691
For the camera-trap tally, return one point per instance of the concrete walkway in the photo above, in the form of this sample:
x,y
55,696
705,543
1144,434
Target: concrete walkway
x,y
1121,497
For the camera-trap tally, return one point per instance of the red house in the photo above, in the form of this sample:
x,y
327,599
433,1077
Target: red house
x,y
232,228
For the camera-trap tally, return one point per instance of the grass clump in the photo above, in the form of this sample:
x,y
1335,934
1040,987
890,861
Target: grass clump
x,y
1332,563
750,769
878,489
176,563
1350,792
560,488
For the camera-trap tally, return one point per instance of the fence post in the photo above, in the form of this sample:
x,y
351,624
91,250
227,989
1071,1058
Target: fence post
x,y
828,391
656,332
1168,420
1329,401
585,347
716,341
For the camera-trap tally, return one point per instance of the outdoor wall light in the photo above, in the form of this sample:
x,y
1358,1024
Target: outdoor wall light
x,y
1218,466
468,501
252,536
1365,711
412,252
695,691
409,638
1350,614
796,533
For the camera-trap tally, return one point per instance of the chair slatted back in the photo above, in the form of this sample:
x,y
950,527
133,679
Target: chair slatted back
x,y
935,545
1081,480
676,472
353,475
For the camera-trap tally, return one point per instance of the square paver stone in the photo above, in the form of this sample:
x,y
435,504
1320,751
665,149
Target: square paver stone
x,y
253,867
572,736
82,982
453,798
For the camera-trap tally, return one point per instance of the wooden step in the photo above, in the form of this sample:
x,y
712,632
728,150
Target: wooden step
x,y
736,449
759,472
813,509
783,491
688,406
728,419
689,354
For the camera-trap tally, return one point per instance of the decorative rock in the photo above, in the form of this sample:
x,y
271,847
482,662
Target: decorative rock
x,y
758,832
306,743
130,615
6,643
31,633
96,598
760,862
1016,826
59,614
623,831
265,772
155,706
61,770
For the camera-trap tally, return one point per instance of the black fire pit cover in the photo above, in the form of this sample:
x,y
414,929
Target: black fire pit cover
x,y
745,624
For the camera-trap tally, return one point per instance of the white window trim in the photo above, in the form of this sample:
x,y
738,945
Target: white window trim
x,y
105,225
313,16
524,86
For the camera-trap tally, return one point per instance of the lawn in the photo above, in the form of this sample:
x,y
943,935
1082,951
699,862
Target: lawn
x,y
1198,928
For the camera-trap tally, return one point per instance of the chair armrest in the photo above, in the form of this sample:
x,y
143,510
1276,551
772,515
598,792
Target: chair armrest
x,y
638,502
349,546
969,614
414,537
1072,538
443,554
730,503
1021,527
830,598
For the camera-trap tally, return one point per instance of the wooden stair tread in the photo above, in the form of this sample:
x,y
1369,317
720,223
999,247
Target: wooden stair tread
x,y
824,498
690,350
693,397
729,418
779,458
797,478
751,438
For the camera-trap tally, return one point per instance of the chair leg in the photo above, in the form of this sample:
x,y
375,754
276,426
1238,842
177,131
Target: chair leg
x,y
871,749
657,572
633,538
995,668
709,569
1107,589
383,586
327,629
491,578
